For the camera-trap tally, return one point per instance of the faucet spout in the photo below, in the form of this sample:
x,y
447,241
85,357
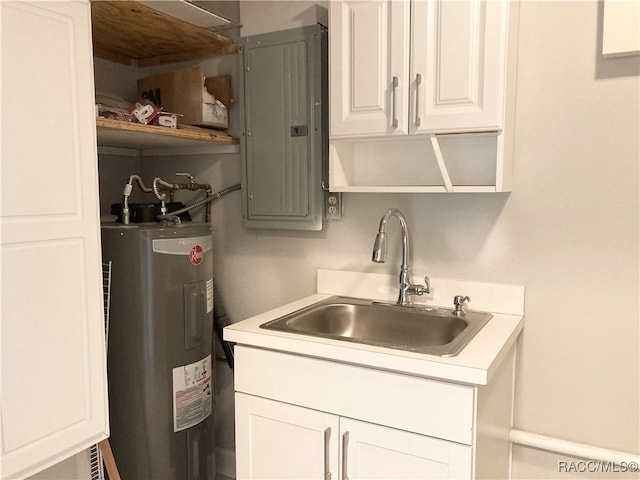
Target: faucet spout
x,y
380,245
380,254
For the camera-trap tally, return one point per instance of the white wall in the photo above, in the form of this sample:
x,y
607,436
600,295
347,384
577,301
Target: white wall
x,y
569,232
262,16
577,202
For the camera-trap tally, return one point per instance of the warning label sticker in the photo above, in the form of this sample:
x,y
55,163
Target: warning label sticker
x,y
192,394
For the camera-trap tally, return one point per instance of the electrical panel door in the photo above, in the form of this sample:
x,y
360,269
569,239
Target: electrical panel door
x,y
284,139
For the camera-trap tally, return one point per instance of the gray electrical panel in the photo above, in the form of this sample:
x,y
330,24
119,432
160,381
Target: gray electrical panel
x,y
285,131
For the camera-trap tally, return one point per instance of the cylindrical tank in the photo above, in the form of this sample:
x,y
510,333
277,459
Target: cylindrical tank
x,y
160,348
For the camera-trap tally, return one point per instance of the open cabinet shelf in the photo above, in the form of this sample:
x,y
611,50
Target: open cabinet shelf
x,y
153,140
436,163
130,32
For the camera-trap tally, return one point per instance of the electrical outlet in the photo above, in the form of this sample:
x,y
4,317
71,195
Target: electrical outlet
x,y
333,205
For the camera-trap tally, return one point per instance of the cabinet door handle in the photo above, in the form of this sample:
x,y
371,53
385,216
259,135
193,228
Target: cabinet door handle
x,y
418,83
345,447
394,116
327,445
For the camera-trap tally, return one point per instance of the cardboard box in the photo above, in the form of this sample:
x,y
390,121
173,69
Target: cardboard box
x,y
187,93
220,87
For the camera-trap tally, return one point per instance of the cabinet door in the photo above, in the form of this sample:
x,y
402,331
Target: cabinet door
x,y
54,401
369,67
280,441
458,65
375,452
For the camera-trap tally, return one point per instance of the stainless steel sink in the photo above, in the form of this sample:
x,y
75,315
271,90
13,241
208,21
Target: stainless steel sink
x,y
412,328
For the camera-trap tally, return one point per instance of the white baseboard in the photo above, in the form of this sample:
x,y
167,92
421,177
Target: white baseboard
x,y
578,450
226,462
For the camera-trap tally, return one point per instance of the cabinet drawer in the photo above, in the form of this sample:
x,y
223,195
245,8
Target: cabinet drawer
x,y
414,404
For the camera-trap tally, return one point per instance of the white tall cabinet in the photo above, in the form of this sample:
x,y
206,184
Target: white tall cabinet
x,y
53,371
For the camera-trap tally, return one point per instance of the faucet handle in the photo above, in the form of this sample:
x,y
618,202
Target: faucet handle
x,y
420,289
458,303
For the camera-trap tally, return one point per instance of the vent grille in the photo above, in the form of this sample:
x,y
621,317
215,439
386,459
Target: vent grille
x,y
95,456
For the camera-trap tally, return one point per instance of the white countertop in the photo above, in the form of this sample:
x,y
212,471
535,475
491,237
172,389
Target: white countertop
x,y
475,364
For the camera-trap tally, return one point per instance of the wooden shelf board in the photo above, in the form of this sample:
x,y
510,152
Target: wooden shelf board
x,y
113,133
124,31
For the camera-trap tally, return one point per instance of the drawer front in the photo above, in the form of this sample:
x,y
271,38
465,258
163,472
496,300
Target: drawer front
x,y
414,404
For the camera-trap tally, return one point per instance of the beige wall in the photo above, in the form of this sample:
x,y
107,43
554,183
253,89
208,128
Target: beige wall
x,y
577,198
569,232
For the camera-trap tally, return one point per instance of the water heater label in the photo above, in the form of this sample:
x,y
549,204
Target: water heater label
x,y
196,254
192,394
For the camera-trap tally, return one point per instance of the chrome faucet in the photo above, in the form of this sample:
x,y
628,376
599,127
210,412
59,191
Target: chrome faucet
x,y
380,253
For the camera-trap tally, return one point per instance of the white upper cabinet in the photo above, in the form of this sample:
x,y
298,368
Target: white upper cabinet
x,y
369,47
427,85
400,67
54,393
457,65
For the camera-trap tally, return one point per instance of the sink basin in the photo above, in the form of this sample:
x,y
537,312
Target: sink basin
x,y
415,328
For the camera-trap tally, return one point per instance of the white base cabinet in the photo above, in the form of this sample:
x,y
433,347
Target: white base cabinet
x,y
281,441
307,418
285,441
376,452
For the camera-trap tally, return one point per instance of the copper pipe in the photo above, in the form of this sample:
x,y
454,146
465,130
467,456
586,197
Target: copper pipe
x,y
192,186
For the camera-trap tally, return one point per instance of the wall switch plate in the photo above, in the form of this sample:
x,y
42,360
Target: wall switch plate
x,y
333,205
